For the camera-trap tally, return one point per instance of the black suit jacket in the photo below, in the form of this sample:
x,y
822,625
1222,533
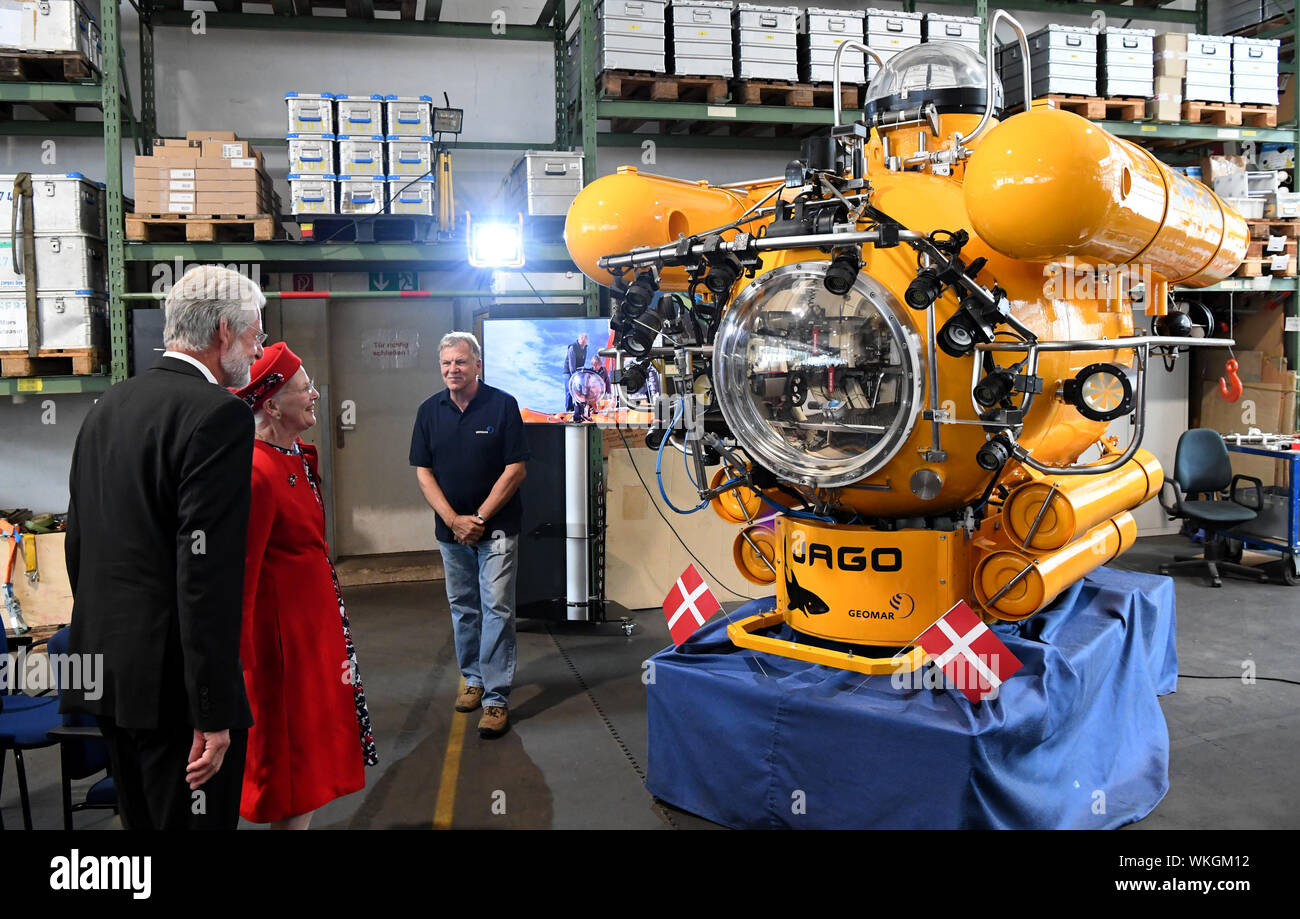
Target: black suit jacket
x,y
157,521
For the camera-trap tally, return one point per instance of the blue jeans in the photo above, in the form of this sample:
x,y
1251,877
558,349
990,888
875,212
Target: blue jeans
x,y
480,583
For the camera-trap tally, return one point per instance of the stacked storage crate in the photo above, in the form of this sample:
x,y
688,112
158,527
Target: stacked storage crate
x,y
380,154
821,33
963,30
543,183
1128,64
701,38
1230,15
313,153
889,32
71,260
409,154
361,177
51,25
1209,69
631,35
1063,61
766,42
1254,70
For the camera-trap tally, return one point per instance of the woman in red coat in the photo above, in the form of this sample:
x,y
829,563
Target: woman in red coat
x,y
311,732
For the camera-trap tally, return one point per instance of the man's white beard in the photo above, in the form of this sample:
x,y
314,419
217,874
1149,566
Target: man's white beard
x,y
236,371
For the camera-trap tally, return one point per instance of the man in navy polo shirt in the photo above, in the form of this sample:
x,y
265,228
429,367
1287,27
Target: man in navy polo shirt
x,y
469,451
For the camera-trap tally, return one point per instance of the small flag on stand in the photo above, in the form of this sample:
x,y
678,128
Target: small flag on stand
x,y
688,605
973,659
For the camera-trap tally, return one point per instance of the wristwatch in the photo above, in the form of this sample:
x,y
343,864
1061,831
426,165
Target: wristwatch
x,y
479,520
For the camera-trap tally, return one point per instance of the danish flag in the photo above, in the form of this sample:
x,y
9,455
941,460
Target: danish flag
x,y
973,659
688,604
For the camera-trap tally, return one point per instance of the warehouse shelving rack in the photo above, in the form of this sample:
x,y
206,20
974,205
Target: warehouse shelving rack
x,y
719,126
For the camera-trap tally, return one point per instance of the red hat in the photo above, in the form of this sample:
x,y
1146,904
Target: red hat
x,y
271,371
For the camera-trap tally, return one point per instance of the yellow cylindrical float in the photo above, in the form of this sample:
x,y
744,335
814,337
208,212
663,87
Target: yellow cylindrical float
x,y
1013,586
755,554
1047,185
629,210
739,505
1071,505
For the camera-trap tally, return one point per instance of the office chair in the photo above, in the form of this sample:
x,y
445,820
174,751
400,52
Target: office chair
x,y
24,720
1202,467
82,751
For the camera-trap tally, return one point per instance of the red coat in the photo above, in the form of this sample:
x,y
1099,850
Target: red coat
x,y
303,748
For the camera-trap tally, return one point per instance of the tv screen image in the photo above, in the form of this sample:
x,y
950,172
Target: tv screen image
x,y
554,370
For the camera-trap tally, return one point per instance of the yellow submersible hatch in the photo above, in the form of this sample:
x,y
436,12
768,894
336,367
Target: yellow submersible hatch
x,y
911,339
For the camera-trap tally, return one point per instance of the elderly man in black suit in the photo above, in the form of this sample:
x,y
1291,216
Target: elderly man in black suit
x,y
155,550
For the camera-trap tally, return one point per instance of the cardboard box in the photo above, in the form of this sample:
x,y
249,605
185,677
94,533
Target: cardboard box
x,y
195,161
48,601
165,149
1166,102
1226,175
1171,55
1266,407
218,135
227,149
199,202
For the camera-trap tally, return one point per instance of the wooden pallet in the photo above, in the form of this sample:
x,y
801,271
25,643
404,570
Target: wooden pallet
x,y
771,92
661,87
1258,249
46,66
205,228
824,95
1260,267
1094,108
1226,114
1262,229
1259,116
368,228
78,362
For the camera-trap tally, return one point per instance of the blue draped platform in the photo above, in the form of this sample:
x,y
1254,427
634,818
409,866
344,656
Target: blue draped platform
x,y
1076,739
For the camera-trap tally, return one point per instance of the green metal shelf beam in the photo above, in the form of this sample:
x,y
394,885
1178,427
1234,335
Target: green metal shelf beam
x,y
701,141
351,25
36,128
1244,285
71,93
718,114
52,386
281,255
1169,130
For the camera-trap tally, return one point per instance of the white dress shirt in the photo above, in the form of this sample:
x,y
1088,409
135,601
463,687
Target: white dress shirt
x,y
191,360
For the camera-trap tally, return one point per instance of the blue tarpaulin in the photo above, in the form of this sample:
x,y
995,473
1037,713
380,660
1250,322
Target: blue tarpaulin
x,y
1076,739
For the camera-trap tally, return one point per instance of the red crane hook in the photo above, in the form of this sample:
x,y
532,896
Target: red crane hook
x,y
1230,388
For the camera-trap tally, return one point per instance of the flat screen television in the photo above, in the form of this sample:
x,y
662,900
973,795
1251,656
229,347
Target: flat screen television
x,y
553,369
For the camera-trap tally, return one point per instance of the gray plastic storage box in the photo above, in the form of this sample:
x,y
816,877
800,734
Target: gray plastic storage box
x,y
66,319
70,262
766,42
65,202
359,114
543,183
821,32
630,35
361,155
700,38
311,153
310,113
313,194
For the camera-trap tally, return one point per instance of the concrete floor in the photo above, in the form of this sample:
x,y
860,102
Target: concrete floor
x,y
577,749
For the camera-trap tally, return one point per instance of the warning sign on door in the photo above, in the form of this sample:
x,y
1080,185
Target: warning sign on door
x,y
391,349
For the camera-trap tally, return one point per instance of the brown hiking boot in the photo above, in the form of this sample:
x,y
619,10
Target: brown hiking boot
x,y
469,699
494,721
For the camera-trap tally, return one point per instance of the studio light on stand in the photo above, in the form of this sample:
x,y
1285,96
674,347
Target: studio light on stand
x,y
495,242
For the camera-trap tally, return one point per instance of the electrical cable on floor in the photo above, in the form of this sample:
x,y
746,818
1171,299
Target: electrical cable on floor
x,y
609,725
655,505
1265,679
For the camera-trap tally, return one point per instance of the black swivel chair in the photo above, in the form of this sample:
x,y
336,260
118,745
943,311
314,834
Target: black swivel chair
x,y
1202,467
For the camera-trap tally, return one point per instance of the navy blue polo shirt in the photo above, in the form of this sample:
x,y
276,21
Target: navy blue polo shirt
x,y
469,450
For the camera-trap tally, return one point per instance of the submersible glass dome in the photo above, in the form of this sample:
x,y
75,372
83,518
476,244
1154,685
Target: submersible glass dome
x,y
820,388
950,75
